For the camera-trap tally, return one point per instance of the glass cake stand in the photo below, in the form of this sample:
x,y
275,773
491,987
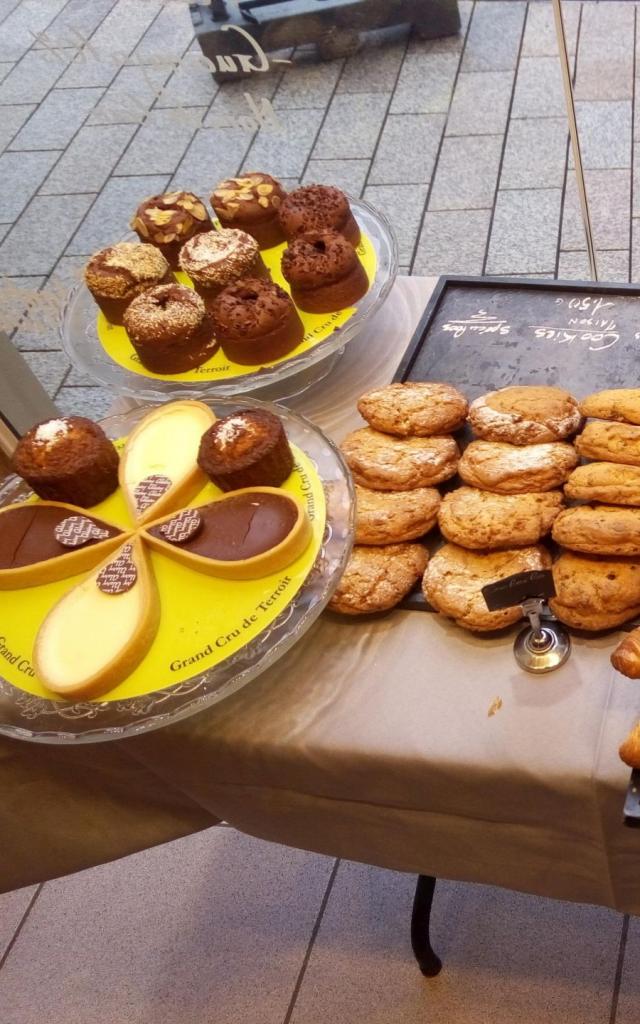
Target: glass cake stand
x,y
289,377
28,717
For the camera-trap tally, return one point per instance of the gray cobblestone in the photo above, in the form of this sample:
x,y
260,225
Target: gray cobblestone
x,y
535,154
161,142
39,236
49,367
403,206
494,36
425,83
352,125
57,119
609,194
31,79
398,161
308,85
285,152
604,127
540,34
613,265
11,121
213,155
130,96
92,402
452,242
605,53
21,175
480,105
467,173
373,69
89,160
349,175
538,91
524,236
108,221
23,24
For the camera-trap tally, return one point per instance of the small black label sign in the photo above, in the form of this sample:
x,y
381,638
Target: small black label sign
x,y
516,589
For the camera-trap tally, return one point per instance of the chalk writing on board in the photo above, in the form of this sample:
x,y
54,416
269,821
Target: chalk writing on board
x,y
597,332
478,323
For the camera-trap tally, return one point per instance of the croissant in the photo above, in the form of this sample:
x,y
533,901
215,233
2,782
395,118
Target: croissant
x,y
630,750
626,657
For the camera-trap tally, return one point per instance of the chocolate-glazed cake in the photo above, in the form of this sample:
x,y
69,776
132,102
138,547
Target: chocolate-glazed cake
x,y
324,272
215,259
69,459
116,275
170,329
316,207
255,321
251,203
247,449
168,221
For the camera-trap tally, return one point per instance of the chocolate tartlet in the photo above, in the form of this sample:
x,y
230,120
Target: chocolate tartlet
x,y
215,259
251,203
316,207
170,220
324,272
33,533
115,275
170,329
69,459
255,322
247,449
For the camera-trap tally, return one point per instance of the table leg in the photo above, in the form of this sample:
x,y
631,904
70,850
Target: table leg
x,y
428,962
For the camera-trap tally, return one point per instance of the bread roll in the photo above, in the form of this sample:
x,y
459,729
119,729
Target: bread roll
x,y
626,657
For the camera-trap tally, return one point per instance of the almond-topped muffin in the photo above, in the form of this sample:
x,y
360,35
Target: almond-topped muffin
x,y
315,208
324,272
255,322
170,329
215,259
70,459
169,220
251,203
117,274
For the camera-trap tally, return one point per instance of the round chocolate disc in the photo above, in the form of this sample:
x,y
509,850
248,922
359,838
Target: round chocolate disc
x,y
120,575
74,531
182,527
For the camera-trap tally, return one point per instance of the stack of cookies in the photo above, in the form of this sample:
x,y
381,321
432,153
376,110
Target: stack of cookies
x,y
397,462
509,500
598,576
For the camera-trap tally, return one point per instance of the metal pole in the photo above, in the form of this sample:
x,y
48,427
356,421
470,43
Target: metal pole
x,y
563,53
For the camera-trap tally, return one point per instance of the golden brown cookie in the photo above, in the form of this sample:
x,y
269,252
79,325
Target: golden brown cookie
x,y
629,750
414,409
594,592
599,530
608,482
525,415
620,404
455,577
626,657
610,442
483,521
386,463
389,517
510,469
377,578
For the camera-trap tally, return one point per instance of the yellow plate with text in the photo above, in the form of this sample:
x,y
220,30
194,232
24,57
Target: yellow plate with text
x,y
318,327
203,619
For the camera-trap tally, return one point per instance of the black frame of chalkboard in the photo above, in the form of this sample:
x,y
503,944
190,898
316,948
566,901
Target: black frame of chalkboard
x,y
416,600
414,346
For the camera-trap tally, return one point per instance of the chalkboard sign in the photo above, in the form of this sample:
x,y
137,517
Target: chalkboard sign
x,y
483,333
518,588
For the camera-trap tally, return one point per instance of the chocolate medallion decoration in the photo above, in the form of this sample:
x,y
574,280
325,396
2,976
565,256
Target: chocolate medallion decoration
x,y
148,491
182,527
74,531
120,575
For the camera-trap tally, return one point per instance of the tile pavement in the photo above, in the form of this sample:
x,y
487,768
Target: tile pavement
x,y
462,142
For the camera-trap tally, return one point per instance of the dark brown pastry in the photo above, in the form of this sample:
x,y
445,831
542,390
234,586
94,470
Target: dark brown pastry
x,y
247,449
251,203
316,207
170,329
324,272
170,220
68,459
255,322
115,275
215,259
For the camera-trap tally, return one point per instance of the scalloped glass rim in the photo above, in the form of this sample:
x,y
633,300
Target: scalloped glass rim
x,y
80,339
23,716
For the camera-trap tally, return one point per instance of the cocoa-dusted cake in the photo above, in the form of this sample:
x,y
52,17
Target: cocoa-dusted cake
x,y
68,459
251,203
315,207
215,259
115,275
246,449
255,321
170,329
324,272
170,220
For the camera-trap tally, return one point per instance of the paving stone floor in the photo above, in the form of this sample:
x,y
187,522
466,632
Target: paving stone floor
x,y
463,142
